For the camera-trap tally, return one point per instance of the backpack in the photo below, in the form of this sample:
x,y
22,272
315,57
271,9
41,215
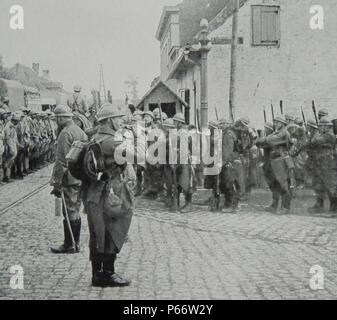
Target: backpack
x,y
86,160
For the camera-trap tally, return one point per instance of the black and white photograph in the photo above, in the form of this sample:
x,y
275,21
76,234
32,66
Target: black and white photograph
x,y
182,151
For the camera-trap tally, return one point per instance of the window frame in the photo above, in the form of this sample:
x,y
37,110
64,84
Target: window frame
x,y
273,44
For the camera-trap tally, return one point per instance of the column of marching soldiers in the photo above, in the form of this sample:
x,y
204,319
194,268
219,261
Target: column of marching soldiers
x,y
27,141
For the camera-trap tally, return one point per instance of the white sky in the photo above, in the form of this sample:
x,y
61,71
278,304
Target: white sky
x,y
72,38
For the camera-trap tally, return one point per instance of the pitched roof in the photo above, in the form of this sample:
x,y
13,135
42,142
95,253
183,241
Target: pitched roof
x,y
162,83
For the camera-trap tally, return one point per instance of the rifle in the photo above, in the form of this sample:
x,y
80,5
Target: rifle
x,y
273,115
264,114
314,111
281,106
303,117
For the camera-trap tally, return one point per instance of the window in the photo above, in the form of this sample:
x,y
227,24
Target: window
x,y
266,25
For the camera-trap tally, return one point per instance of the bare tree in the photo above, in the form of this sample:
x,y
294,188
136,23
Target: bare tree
x,y
4,73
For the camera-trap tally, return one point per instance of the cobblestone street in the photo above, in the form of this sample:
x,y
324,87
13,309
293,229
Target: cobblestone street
x,y
200,255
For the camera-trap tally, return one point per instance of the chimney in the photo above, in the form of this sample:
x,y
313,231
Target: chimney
x,y
36,67
46,74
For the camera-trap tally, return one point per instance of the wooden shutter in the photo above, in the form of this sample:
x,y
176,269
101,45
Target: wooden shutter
x,y
256,16
265,24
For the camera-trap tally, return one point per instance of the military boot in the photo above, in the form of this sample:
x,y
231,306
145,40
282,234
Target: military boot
x,y
273,207
97,279
188,207
111,279
76,227
67,247
333,205
318,207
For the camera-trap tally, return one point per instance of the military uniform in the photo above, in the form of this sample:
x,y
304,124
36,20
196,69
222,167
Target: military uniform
x,y
77,102
281,164
325,181
63,181
109,205
10,144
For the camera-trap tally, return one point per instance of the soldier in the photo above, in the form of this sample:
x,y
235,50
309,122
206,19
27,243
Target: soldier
x,y
17,169
26,126
64,183
281,164
231,176
10,144
186,180
269,175
77,102
326,176
5,103
290,118
108,202
2,147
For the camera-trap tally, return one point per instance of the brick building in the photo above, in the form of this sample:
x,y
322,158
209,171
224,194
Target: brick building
x,y
280,57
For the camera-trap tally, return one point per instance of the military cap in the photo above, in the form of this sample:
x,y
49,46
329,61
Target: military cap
x,y
323,112
325,122
245,121
149,113
213,125
289,117
269,125
156,112
299,121
179,117
6,99
77,88
62,111
169,123
312,123
109,111
280,119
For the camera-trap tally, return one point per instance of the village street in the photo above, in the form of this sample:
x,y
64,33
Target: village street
x,y
201,255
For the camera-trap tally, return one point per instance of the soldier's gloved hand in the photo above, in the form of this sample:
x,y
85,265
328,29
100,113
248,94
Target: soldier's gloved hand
x,y
57,191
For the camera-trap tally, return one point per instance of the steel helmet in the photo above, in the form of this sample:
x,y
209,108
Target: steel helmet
x,y
269,126
280,119
17,116
138,113
299,121
325,122
77,88
6,110
149,113
156,113
62,111
164,116
6,99
289,117
213,125
109,111
137,118
312,123
323,112
169,123
245,121
179,117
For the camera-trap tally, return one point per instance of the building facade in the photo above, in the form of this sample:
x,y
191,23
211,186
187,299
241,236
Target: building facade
x,y
286,52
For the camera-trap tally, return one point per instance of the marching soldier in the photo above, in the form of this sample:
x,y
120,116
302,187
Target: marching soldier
x,y
17,169
323,113
281,163
2,147
64,184
231,175
77,102
108,202
326,176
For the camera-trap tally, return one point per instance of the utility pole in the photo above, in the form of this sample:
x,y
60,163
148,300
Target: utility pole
x,y
204,50
233,84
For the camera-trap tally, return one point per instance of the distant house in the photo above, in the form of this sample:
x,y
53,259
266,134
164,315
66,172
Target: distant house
x,y
31,78
280,58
